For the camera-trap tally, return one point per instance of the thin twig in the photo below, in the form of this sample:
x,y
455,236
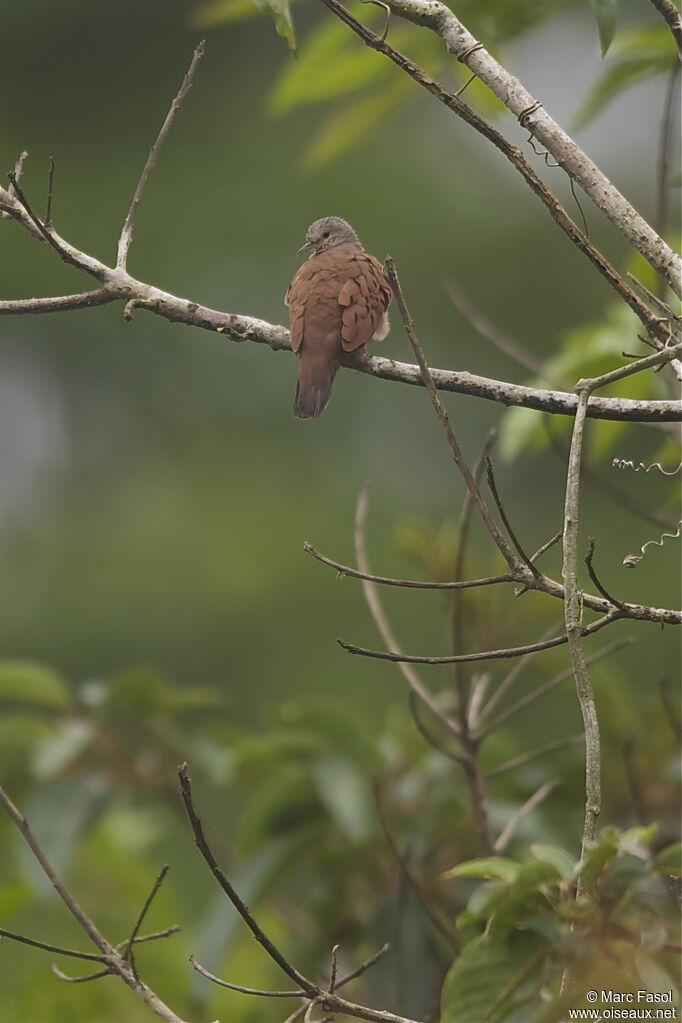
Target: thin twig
x,y
485,655
18,171
423,729
411,880
65,895
259,934
381,621
632,777
314,994
593,575
501,341
457,453
541,690
503,515
407,583
442,20
127,952
126,236
523,758
598,480
85,979
672,716
50,192
55,949
669,12
259,992
510,678
521,814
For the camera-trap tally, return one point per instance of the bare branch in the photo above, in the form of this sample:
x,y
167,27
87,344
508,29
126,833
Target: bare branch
x,y
55,949
523,758
501,341
120,286
354,573
127,951
503,515
435,15
61,303
669,12
531,115
65,895
381,622
457,453
411,880
511,677
523,812
126,237
529,698
261,993
593,575
486,655
18,171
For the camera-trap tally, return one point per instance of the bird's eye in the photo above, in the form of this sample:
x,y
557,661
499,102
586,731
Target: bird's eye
x,y
325,234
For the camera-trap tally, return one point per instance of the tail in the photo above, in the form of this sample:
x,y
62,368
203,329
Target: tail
x,y
313,388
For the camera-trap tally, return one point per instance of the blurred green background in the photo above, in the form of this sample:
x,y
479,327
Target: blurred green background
x,y
156,491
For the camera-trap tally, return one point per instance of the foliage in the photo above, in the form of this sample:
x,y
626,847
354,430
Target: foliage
x,y
619,931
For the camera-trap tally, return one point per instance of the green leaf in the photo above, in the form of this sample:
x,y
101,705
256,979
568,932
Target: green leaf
x,y
349,126
605,12
330,64
613,81
226,12
642,51
29,682
345,795
669,860
491,866
556,857
490,979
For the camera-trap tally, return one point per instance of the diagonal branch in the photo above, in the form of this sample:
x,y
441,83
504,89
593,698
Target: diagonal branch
x,y
382,624
457,453
669,12
126,238
435,15
485,655
529,111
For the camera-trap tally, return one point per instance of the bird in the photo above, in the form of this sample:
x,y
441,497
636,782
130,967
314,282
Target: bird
x,y
338,302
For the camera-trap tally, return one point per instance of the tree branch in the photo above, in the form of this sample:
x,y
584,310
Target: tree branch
x,y
669,12
126,237
529,111
119,285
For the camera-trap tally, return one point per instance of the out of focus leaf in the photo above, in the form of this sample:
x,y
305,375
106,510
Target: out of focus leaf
x,y
492,866
59,813
53,754
350,125
638,53
669,860
345,794
558,858
227,12
331,64
29,682
490,979
605,12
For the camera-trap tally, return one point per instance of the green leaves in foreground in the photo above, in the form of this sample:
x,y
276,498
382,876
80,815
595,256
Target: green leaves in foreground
x,y
528,927
225,12
639,53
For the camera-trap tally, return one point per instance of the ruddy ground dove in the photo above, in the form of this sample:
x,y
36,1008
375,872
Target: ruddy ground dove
x,y
337,303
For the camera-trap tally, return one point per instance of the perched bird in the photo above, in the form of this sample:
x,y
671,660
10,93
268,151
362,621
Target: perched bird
x,y
337,303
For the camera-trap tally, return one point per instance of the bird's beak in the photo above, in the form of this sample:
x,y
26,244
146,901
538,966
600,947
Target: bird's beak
x,y
306,247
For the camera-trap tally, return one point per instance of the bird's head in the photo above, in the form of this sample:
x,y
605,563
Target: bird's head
x,y
327,233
